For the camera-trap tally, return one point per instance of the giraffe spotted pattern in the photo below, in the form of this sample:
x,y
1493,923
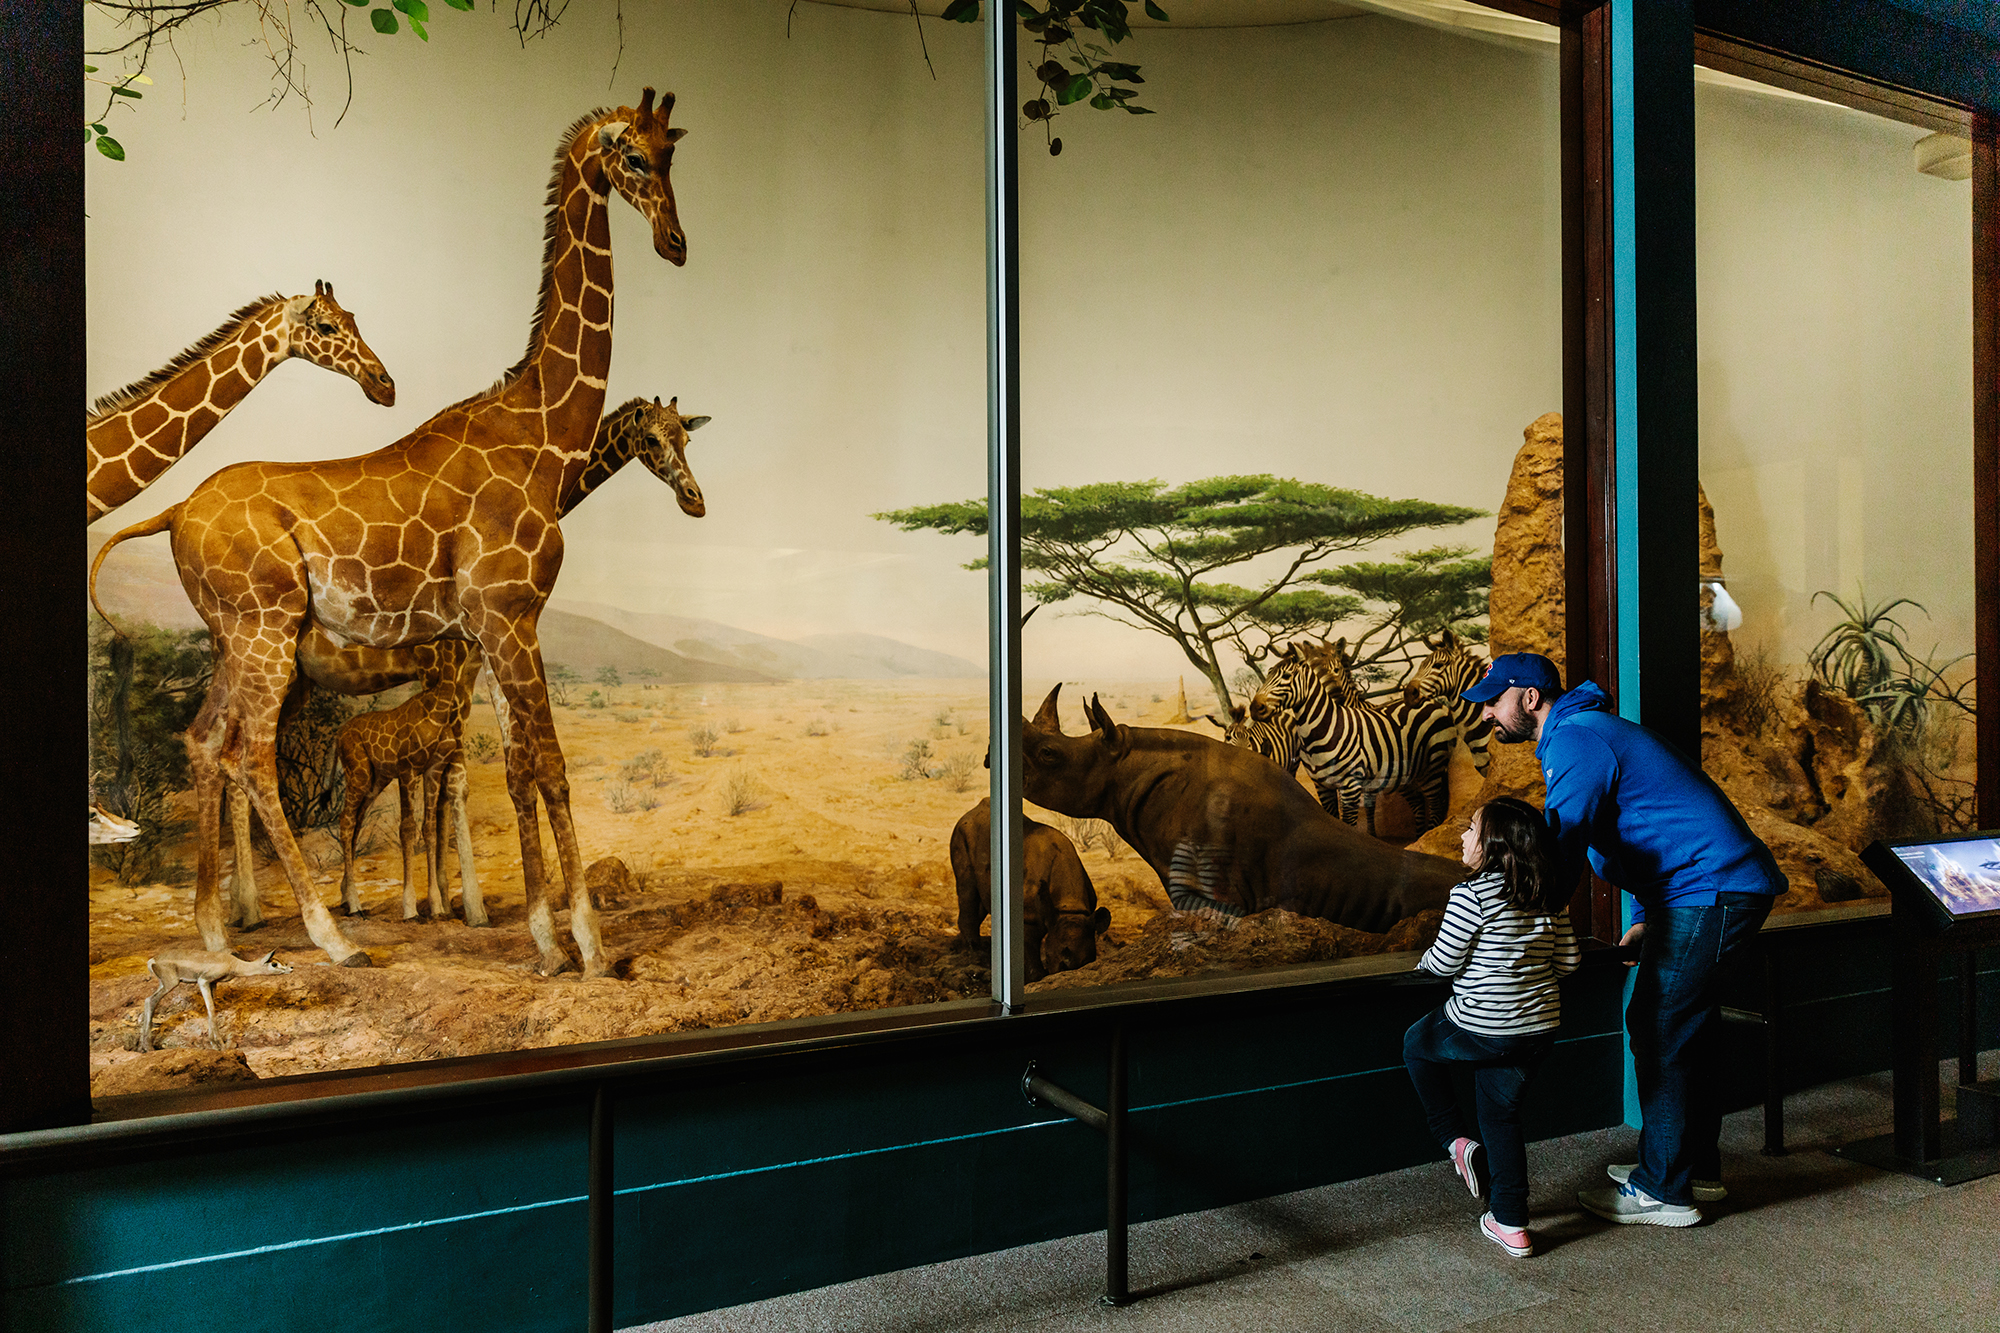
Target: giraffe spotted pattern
x,y
140,431
451,532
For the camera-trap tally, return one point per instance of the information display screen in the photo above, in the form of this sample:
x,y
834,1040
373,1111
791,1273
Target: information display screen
x,y
1958,877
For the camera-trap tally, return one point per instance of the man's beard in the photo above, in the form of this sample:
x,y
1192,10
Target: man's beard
x,y
1521,729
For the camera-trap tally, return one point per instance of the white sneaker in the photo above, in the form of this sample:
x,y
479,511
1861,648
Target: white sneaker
x,y
1630,1205
1705,1191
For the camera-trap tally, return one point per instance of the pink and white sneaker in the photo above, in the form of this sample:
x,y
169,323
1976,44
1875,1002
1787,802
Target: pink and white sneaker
x,y
1514,1240
1462,1149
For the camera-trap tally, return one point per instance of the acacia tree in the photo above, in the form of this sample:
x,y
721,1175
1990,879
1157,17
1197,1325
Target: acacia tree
x,y
1148,553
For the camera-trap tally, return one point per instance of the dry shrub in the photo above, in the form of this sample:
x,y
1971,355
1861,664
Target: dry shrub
x,y
1088,833
817,727
744,793
957,771
703,737
482,747
624,798
1761,682
916,762
732,726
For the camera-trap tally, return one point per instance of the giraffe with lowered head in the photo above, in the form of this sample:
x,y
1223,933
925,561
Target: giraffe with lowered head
x,y
451,532
140,431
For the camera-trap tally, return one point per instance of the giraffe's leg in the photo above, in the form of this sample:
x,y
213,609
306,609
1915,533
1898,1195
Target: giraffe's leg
x,y
204,743
352,812
249,908
258,688
410,792
435,833
535,769
468,876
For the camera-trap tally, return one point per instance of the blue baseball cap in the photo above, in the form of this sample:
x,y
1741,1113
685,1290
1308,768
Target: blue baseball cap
x,y
1511,669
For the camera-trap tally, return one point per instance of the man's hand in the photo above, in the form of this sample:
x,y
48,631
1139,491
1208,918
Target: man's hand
x,y
1633,937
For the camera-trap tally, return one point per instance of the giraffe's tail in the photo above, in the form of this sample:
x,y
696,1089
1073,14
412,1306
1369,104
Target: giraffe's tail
x,y
163,522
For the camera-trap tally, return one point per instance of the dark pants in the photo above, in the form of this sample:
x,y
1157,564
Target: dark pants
x,y
1675,1021
1500,1069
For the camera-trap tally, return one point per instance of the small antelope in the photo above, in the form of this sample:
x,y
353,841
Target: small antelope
x,y
204,967
107,828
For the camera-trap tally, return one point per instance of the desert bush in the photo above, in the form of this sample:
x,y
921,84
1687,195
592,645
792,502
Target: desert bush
x,y
916,761
817,727
1088,833
586,761
595,699
703,737
482,747
626,798
744,793
1761,681
732,726
957,771
1158,700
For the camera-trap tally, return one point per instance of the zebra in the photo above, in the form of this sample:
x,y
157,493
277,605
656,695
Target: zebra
x,y
1443,678
1276,738
1355,750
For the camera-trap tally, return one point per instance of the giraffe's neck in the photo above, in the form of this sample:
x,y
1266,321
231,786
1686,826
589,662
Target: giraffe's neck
x,y
615,444
139,432
561,380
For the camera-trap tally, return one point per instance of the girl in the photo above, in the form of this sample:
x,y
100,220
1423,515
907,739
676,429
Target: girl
x,y
1504,940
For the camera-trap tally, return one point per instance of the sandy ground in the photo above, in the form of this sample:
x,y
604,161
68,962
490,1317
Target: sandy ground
x,y
799,868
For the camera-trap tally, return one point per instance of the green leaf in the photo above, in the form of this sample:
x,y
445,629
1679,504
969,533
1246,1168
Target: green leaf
x,y
460,4
1138,110
1078,89
958,11
384,21
99,128
110,147
357,3
1102,103
1155,13
418,29
88,130
90,69
127,92
416,9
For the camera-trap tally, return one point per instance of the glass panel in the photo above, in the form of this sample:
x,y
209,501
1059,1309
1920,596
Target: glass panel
x,y
1836,418
1283,337
770,706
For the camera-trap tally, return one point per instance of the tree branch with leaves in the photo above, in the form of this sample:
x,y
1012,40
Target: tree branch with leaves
x,y
1149,554
1071,68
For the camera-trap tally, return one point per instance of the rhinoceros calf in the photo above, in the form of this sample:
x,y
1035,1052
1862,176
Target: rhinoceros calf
x,y
1061,915
1222,826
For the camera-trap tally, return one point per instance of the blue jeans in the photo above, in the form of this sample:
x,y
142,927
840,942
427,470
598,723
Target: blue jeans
x,y
1675,1021
1500,1069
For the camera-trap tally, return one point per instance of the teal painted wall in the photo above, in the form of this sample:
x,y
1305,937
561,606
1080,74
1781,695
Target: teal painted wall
x,y
748,1186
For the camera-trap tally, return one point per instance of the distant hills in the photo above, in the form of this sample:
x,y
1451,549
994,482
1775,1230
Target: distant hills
x,y
139,584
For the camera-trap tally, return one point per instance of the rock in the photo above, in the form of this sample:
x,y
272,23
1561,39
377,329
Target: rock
x,y
764,894
171,1071
1179,944
1528,567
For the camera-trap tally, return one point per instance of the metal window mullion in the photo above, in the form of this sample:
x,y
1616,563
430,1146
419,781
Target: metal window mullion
x,y
1003,500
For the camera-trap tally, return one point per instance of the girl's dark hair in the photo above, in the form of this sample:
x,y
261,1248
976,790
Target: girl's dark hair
x,y
1514,840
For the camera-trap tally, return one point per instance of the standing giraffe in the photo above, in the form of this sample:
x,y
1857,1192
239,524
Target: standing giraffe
x,y
654,434
451,532
140,431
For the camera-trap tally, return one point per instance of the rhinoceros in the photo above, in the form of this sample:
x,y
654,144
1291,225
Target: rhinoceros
x,y
1222,826
1061,902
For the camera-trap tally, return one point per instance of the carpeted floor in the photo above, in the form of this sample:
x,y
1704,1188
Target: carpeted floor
x,y
1808,1242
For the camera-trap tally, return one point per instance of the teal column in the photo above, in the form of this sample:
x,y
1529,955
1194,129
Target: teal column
x,y
1655,396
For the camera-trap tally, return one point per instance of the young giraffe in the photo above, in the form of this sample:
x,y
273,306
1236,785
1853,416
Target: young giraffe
x,y
449,532
414,745
656,435
140,431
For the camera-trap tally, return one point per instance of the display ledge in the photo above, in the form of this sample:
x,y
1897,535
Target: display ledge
x,y
302,1105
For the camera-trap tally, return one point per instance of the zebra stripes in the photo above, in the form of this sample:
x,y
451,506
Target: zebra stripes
x,y
1354,750
1276,738
1203,879
1442,679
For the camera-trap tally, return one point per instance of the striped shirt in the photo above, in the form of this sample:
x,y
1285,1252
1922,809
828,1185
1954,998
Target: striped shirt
x,y
1503,959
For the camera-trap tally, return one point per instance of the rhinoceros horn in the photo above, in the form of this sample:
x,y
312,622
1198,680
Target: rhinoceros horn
x,y
1047,719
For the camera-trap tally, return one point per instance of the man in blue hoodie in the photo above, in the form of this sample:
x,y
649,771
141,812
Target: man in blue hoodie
x,y
1652,823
